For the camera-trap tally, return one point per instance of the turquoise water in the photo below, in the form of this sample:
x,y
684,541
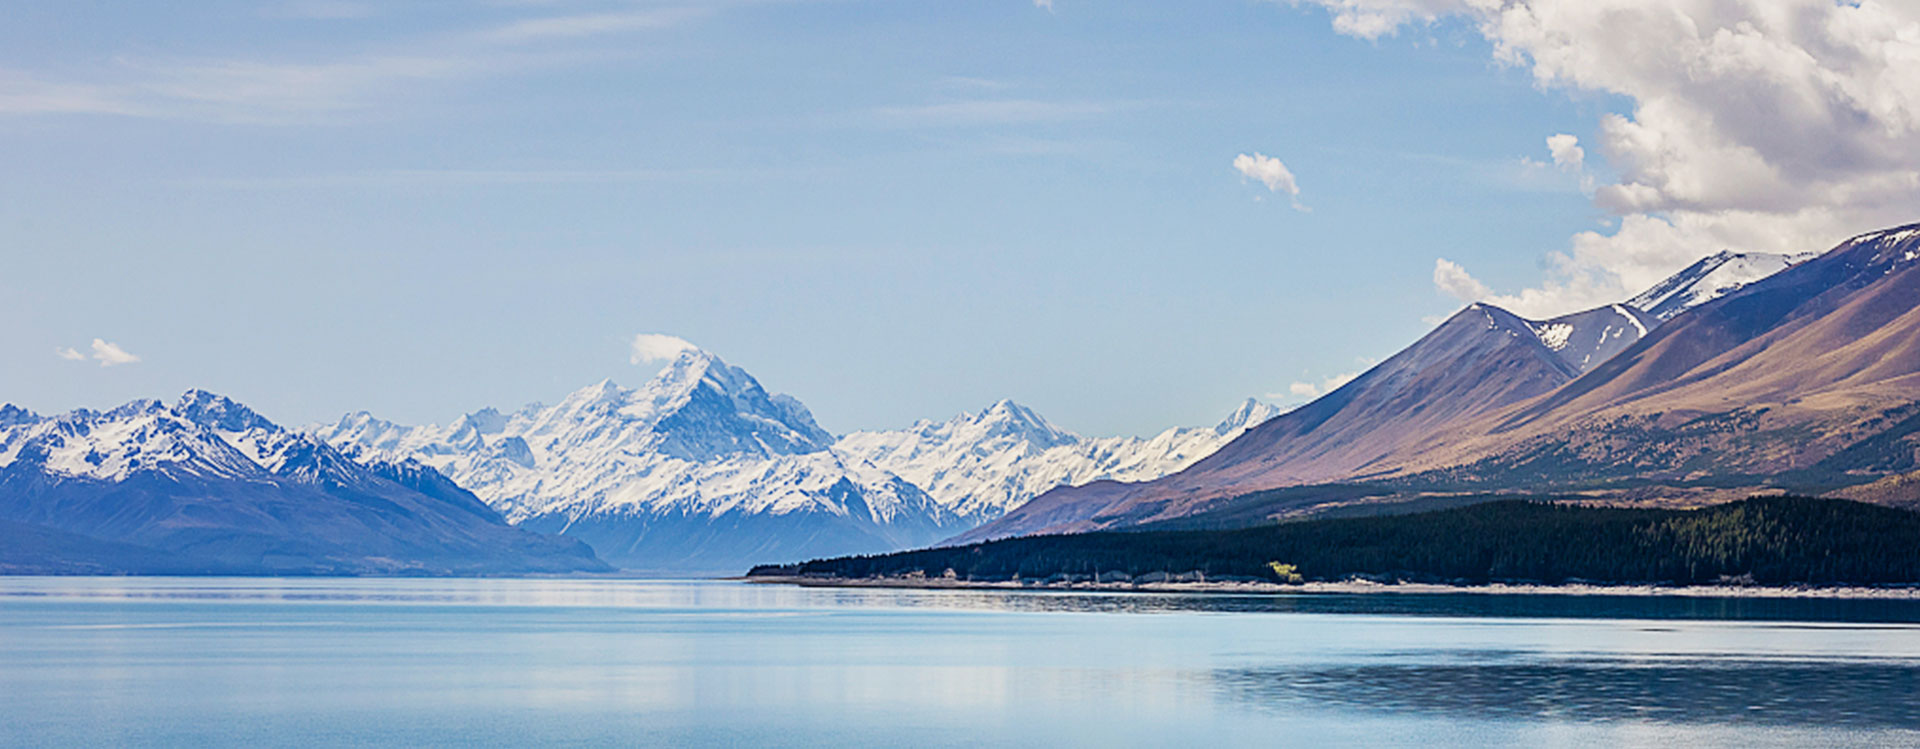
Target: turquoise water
x,y
374,662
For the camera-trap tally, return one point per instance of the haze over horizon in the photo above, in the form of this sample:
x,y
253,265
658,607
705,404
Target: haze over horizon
x,y
1127,216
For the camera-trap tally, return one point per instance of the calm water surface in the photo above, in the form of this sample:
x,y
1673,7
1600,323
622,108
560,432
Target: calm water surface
x,y
269,662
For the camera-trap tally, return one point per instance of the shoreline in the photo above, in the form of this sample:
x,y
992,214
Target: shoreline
x,y
1363,587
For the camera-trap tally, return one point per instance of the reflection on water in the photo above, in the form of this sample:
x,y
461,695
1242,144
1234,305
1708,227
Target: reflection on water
x,y
1724,690
249,662
707,595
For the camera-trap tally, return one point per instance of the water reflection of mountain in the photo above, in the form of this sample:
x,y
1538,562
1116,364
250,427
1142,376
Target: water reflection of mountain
x,y
1839,693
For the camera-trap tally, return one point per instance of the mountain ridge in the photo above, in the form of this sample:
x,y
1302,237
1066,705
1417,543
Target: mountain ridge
x,y
207,484
1418,450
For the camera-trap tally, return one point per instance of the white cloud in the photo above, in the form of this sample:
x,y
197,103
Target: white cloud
x,y
1046,5
69,354
1299,391
654,347
1567,153
1372,19
1271,172
109,354
1755,125
1452,279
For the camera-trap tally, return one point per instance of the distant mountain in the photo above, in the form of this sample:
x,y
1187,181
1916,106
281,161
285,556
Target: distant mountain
x,y
982,465
1417,408
699,470
208,485
1710,278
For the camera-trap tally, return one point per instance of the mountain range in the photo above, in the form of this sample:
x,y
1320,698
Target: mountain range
x,y
703,470
205,485
1744,373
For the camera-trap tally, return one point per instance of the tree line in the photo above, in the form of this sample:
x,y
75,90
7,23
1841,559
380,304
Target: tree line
x,y
1768,540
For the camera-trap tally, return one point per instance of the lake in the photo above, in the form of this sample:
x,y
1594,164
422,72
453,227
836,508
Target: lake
x,y
572,662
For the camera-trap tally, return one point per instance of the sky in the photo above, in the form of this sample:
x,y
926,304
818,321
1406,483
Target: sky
x,y
1126,215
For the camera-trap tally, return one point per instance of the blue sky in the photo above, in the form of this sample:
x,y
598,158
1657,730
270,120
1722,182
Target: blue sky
x,y
892,210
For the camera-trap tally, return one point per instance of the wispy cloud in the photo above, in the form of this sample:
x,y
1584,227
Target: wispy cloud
x,y
586,25
488,177
269,91
981,112
69,353
323,10
23,93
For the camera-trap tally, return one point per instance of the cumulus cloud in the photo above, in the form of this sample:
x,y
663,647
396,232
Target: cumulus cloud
x,y
1451,278
654,347
1271,172
1567,153
1046,5
1372,19
109,354
1754,125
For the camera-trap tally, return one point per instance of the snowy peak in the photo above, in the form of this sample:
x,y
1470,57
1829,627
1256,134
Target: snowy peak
x,y
1250,414
1577,342
1711,278
1006,419
701,407
363,431
202,435
1585,340
13,416
1885,250
141,436
220,412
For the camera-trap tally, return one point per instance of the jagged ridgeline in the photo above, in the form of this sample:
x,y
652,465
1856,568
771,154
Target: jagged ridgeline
x,y
1766,540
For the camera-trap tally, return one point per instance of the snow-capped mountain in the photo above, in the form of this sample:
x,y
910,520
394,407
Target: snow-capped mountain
x,y
1585,340
700,469
1711,278
208,484
983,465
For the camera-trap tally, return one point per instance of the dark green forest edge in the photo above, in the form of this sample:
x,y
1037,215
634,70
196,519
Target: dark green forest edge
x,y
1762,540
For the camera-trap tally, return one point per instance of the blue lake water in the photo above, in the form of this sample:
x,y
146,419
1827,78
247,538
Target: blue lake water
x,y
411,662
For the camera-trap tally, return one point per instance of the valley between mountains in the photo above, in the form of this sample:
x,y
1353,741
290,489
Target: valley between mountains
x,y
1741,374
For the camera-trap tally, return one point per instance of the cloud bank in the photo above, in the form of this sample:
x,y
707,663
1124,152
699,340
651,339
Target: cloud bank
x,y
1755,125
